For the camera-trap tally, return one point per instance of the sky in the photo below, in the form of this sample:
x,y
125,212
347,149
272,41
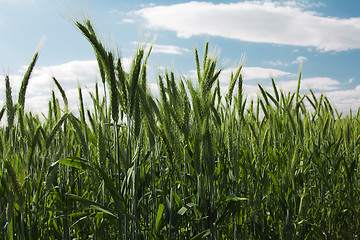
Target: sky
x,y
271,38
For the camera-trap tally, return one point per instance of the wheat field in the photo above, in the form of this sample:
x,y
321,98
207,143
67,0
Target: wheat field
x,y
189,164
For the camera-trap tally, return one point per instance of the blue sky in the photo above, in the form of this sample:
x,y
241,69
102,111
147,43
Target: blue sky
x,y
275,38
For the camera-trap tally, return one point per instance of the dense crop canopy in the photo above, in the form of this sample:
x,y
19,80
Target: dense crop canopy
x,y
190,164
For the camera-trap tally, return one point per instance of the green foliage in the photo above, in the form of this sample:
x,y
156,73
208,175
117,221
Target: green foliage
x,y
187,165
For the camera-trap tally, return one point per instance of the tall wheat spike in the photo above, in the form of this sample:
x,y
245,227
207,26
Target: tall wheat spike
x,y
83,120
10,111
62,92
134,79
100,52
101,154
123,85
114,92
25,81
22,92
55,106
35,141
233,79
15,182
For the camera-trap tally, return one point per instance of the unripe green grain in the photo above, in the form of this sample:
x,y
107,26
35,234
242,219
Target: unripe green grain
x,y
14,182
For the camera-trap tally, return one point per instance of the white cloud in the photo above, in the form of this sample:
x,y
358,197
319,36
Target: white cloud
x,y
126,21
344,100
148,5
69,75
303,4
251,73
277,63
256,21
38,104
351,80
315,83
299,60
155,90
167,49
86,72
115,11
